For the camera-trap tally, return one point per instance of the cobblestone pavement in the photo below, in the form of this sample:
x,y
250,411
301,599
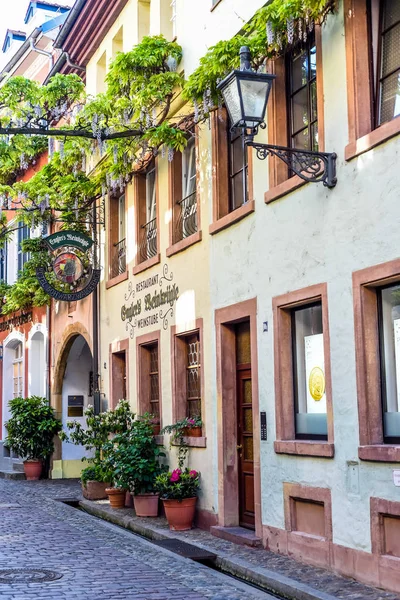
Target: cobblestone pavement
x,y
97,561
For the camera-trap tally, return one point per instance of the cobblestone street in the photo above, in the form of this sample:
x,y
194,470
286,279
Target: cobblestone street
x,y
95,560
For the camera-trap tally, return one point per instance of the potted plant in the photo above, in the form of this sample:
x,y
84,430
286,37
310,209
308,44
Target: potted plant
x,y
133,457
178,490
187,427
97,430
30,432
95,479
155,423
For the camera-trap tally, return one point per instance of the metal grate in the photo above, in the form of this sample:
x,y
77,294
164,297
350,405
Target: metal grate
x,y
186,550
28,575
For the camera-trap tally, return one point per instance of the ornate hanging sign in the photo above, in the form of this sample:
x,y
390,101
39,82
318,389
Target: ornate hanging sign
x,y
70,275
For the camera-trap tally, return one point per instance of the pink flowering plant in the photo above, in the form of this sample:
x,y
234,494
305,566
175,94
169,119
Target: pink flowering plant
x,y
178,484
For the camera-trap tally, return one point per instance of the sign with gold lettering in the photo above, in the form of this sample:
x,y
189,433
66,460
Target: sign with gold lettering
x,y
150,302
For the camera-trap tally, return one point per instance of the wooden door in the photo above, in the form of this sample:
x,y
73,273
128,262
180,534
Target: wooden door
x,y
245,447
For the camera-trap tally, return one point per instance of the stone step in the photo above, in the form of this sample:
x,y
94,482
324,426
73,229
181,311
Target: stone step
x,y
237,535
11,475
18,466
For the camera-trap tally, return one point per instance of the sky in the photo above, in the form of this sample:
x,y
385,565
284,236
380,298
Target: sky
x,y
12,13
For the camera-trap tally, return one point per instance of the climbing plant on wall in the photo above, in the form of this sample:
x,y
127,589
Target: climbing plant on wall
x,y
98,143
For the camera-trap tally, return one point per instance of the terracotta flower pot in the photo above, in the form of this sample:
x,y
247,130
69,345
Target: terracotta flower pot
x,y
116,497
94,490
33,469
156,428
193,431
146,505
180,513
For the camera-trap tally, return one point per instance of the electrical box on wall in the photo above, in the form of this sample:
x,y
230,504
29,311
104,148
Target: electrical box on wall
x,y
75,406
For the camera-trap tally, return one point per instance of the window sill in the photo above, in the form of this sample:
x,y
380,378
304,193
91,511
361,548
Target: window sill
x,y
116,280
150,262
369,141
379,453
286,187
232,217
304,448
183,244
193,442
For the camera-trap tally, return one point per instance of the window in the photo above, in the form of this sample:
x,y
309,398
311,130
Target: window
x,y
373,72
193,386
117,254
148,369
309,373
302,96
119,360
232,193
146,196
238,169
3,263
187,381
23,257
389,343
18,365
295,109
376,292
184,193
304,423
385,45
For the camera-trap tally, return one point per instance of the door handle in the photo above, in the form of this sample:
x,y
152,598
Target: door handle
x,y
239,447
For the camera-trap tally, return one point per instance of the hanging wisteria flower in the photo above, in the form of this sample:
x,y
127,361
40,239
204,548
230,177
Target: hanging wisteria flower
x,y
290,30
170,154
270,33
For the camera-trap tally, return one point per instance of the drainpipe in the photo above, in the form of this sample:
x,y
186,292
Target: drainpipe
x,y
39,51
95,296
71,64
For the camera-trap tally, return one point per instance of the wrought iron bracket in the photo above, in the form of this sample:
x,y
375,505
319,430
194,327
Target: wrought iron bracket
x,y
310,166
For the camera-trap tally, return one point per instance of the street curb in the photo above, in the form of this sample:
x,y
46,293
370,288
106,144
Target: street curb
x,y
269,580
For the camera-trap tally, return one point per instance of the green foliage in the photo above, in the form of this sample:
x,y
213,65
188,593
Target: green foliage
x,y
178,484
31,428
98,429
133,457
178,431
96,472
274,27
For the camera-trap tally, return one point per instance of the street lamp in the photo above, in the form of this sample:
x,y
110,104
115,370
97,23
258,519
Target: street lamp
x,y
246,94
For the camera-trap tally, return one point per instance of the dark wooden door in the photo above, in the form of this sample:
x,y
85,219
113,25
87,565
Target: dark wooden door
x,y
245,447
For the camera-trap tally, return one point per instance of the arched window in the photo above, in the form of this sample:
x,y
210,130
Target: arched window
x,y
18,366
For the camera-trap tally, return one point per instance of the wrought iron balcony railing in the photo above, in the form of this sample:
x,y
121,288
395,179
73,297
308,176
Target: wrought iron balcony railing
x,y
118,259
186,223
148,242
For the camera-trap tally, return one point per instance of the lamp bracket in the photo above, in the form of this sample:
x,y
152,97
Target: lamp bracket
x,y
310,166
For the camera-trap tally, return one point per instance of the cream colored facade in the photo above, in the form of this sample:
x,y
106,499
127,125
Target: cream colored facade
x,y
306,237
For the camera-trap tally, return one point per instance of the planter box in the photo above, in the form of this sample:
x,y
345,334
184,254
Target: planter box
x,y
193,431
95,490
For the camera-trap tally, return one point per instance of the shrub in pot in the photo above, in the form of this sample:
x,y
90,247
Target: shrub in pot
x,y
178,490
95,479
30,432
133,457
96,432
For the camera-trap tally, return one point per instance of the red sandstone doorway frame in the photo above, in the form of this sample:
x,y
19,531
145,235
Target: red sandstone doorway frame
x,y
228,479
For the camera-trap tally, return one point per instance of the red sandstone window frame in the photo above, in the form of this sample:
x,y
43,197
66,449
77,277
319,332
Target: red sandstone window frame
x,y
222,218
368,371
143,343
379,510
175,195
141,217
113,236
280,183
286,443
362,134
178,378
120,347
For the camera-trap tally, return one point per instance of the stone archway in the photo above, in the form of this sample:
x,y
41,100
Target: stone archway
x,y
71,333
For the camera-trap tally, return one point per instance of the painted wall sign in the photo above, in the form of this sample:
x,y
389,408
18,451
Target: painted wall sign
x,y
150,302
71,275
16,321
